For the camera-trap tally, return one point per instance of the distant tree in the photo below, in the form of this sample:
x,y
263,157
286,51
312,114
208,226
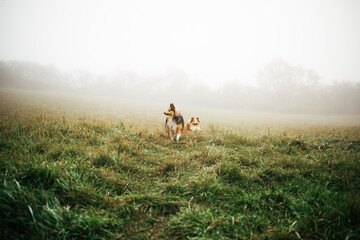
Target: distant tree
x,y
28,75
280,75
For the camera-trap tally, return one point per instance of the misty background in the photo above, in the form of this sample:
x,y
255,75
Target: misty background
x,y
281,88
268,56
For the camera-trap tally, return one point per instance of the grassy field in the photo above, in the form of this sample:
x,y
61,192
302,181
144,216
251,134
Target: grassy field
x,y
81,168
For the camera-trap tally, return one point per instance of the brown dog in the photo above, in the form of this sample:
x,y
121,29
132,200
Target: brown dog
x,y
193,125
174,124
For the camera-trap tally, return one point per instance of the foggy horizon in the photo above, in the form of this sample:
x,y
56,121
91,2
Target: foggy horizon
x,y
211,42
281,56
281,88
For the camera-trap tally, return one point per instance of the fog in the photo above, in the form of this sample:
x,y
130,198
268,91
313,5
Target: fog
x,y
260,56
281,88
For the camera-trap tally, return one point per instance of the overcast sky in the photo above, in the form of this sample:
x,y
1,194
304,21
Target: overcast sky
x,y
212,41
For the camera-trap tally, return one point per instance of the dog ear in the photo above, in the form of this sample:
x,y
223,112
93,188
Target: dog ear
x,y
198,119
172,106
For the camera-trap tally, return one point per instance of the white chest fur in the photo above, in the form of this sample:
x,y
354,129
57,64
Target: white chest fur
x,y
172,125
195,128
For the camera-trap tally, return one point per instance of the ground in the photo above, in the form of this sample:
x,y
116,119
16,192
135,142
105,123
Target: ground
x,y
91,169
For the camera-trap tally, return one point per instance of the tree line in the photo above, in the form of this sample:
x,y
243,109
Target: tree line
x,y
280,87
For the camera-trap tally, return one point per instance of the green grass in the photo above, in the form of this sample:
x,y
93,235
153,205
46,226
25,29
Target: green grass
x,y
64,177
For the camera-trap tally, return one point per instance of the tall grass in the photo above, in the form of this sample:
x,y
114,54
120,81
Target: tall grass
x,y
64,177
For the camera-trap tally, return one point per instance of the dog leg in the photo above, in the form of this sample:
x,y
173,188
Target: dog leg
x,y
178,137
178,134
171,135
168,131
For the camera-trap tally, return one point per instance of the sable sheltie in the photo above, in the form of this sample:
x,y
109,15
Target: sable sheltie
x,y
193,125
174,124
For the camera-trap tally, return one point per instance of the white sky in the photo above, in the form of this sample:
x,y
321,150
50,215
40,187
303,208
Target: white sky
x,y
212,41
